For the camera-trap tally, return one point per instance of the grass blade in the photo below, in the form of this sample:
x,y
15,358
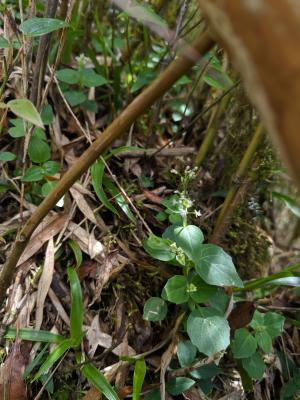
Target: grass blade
x,y
138,378
33,335
96,378
76,318
97,172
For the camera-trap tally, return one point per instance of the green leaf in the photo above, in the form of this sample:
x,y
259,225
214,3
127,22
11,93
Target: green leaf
x,y
270,322
76,318
7,156
41,26
155,309
75,98
159,248
200,291
25,109
55,355
91,79
143,79
206,371
38,150
4,43
18,130
217,79
33,174
68,75
51,168
97,172
175,290
274,323
114,191
47,187
97,379
264,341
33,335
77,251
291,203
39,133
220,300
47,115
138,378
244,344
215,266
254,366
209,332
188,238
186,353
178,385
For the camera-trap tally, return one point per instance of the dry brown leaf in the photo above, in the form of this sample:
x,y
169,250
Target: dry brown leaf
x,y
42,234
12,386
83,205
86,242
92,394
44,283
59,308
97,338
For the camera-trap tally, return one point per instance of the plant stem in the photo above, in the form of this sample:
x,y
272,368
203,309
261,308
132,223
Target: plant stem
x,y
232,197
136,108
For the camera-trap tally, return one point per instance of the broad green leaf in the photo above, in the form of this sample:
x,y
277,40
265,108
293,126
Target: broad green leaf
x,y
51,168
287,281
114,191
7,156
18,130
220,300
264,341
143,79
244,344
186,353
179,385
77,251
291,203
155,309
189,238
274,323
47,115
68,75
33,335
75,98
41,26
270,322
215,266
206,371
97,379
138,378
55,355
97,171
76,318
40,134
33,174
91,79
159,248
254,366
47,187
209,332
25,109
200,291
175,290
38,150
4,43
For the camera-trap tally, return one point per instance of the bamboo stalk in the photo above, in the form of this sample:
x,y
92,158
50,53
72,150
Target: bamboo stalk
x,y
233,195
136,108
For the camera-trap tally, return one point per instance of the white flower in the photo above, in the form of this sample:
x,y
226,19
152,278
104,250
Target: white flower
x,y
197,213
